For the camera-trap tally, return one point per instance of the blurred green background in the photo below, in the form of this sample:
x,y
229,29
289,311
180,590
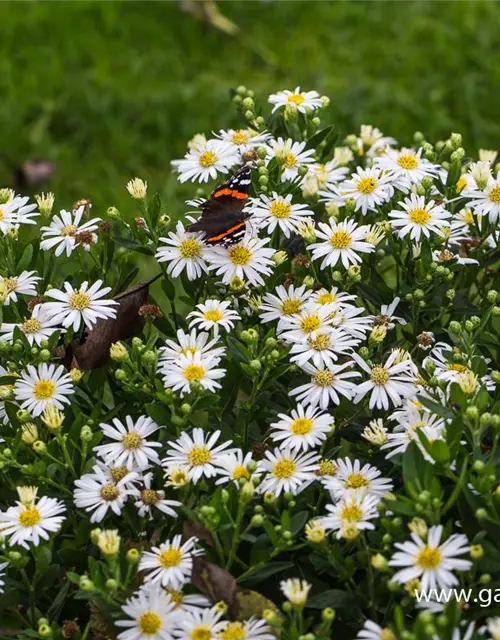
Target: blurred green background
x,y
109,90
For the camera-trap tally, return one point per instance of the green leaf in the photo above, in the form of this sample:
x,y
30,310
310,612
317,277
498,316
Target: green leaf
x,y
270,569
334,598
436,408
133,246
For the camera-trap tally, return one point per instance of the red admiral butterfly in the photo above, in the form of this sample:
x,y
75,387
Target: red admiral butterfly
x,y
223,219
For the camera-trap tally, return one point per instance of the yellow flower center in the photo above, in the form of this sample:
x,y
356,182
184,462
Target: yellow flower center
x,y
454,366
240,472
132,440
326,298
79,301
10,284
239,256
233,631
327,468
461,183
301,426
367,185
291,306
44,389
199,456
351,512
201,632
467,216
69,230
417,425
190,248
296,98
310,323
356,481
171,558
387,635
240,136
419,216
194,372
323,378
213,315
445,255
284,468
2,213
340,239
380,376
321,342
280,209
30,517
109,492
407,161
289,160
179,478
149,496
176,596
429,558
30,326
207,159
494,195
149,623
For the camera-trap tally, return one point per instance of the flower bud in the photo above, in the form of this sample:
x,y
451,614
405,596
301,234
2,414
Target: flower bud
x,y
257,521
419,526
476,552
133,556
23,416
137,188
52,418
472,412
379,562
76,374
118,352
86,434
455,327
45,202
29,433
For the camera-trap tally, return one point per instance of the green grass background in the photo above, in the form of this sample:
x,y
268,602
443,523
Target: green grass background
x,y
109,90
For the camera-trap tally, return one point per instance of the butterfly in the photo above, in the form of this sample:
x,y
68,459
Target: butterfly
x,y
223,220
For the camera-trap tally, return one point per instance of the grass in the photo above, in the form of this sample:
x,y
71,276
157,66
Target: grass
x,y
108,90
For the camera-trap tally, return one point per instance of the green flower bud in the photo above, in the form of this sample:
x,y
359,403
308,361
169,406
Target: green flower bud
x,y
111,585
249,115
481,514
39,447
495,312
86,434
45,355
492,296
485,578
455,327
113,212
256,521
472,412
256,365
149,357
23,416
44,630
121,375
476,552
469,327
133,556
328,614
495,376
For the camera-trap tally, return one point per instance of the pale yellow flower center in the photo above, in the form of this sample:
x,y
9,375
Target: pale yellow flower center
x,y
30,517
207,159
149,496
199,456
351,512
407,161
201,632
301,426
367,185
327,468
310,323
80,301
380,376
326,298
321,342
284,468
455,366
291,306
240,472
296,98
467,217
429,558
10,284
109,492
213,315
419,216
194,372
280,209
2,213
340,239
240,136
118,473
233,631
176,596
356,481
69,230
461,183
44,389
239,256
149,623
190,248
323,378
132,440
494,195
171,558
387,635
289,160
30,326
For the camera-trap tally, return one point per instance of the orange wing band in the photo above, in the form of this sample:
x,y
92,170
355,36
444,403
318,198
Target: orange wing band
x,y
230,192
226,233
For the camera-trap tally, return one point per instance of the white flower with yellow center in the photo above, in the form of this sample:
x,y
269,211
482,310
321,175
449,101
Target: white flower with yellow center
x,y
303,101
171,563
251,629
243,140
83,304
369,188
151,615
213,314
410,422
15,212
285,301
193,368
151,499
389,383
324,348
131,446
372,631
31,522
290,156
326,385
302,429
352,478
248,260
487,202
342,242
63,231
25,284
184,251
446,368
41,386
197,453
386,316
372,141
204,161
328,173
37,329
286,470
97,492
296,591
233,467
200,624
349,319
419,218
333,296
189,344
406,167
431,561
312,320
275,211
351,515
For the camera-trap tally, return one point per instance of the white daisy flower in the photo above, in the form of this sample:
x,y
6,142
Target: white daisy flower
x,y
179,375
234,466
171,563
151,615
3,565
243,140
190,344
353,479
406,167
312,320
286,301
114,473
386,316
131,446
251,629
183,601
290,155
372,631
213,314
248,260
389,383
200,624
198,456
74,305
185,250
96,492
349,319
63,231
277,211
324,349
41,386
15,212
285,471
31,522
342,241
295,591
351,515
37,329
372,141
343,155
407,430
419,218
333,296
25,284
303,101
328,173
487,202
369,188
446,369
150,499
430,561
303,429
327,385
203,162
